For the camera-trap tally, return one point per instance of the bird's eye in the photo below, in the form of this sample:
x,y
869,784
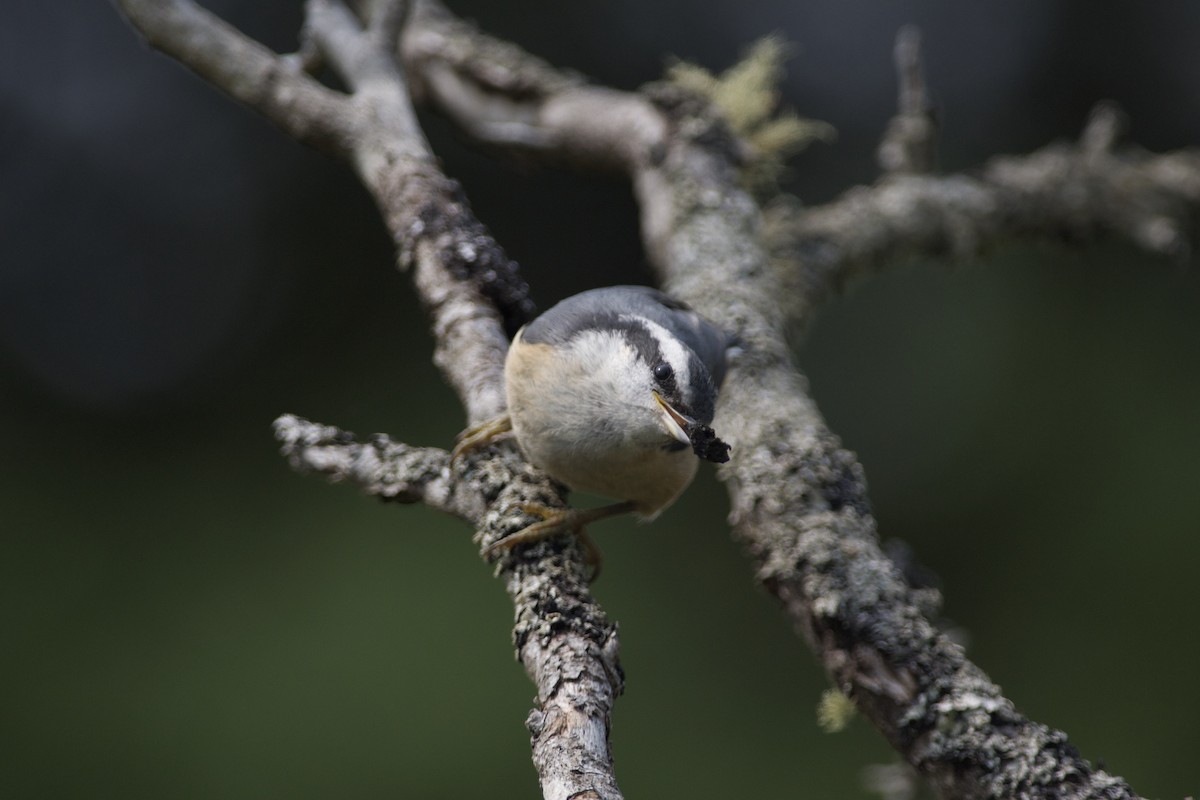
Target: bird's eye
x,y
663,371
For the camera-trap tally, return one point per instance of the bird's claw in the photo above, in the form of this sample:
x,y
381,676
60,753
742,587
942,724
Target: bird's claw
x,y
480,435
555,521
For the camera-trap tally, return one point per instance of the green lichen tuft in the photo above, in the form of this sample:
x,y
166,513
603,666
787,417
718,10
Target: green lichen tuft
x,y
835,711
747,96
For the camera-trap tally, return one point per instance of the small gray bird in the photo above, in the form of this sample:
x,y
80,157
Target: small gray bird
x,y
612,392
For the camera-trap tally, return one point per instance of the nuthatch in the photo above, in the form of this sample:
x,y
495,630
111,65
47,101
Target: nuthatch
x,y
612,392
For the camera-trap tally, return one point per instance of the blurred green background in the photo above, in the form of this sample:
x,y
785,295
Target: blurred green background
x,y
182,616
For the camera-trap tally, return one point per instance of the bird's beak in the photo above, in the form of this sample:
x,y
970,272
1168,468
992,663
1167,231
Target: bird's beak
x,y
676,424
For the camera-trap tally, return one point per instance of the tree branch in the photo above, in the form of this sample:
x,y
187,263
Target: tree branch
x,y
799,500
472,291
242,68
379,466
1071,193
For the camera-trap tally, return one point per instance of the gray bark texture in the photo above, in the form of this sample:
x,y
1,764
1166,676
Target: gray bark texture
x,y
757,266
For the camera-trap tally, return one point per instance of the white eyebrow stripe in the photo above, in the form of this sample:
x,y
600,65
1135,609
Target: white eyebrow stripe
x,y
673,351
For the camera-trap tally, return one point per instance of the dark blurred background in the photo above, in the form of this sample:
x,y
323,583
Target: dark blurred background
x,y
182,616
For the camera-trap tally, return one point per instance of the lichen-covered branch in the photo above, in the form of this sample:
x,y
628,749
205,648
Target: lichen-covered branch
x,y
472,292
799,498
799,504
379,466
1074,193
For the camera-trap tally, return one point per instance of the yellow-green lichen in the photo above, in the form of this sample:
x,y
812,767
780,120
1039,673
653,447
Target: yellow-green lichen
x,y
747,95
834,711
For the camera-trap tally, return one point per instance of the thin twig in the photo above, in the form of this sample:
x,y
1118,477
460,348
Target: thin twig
x,y
909,145
379,466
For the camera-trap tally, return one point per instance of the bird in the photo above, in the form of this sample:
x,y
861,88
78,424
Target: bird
x,y
612,392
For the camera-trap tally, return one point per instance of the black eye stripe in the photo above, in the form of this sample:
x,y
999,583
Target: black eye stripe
x,y
695,398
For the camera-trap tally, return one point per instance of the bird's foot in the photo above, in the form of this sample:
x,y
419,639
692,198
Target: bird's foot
x,y
480,435
565,520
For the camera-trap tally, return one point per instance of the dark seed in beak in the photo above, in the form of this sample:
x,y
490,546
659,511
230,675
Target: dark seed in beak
x,y
706,444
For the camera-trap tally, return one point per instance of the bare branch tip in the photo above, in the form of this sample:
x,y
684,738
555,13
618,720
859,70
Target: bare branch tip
x,y
910,141
388,18
296,433
910,70
289,428
908,46
1105,126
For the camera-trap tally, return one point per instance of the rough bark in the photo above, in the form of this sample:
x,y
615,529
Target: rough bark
x,y
798,498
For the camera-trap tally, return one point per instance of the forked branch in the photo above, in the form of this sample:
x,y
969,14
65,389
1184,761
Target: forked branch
x,y
799,499
472,292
